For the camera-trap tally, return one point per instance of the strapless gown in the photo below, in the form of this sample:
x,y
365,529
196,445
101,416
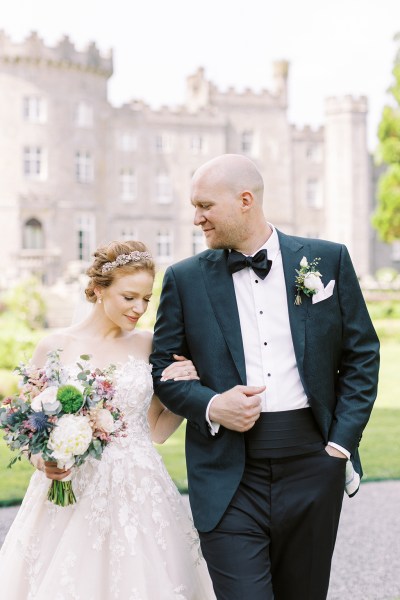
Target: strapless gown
x,y
128,537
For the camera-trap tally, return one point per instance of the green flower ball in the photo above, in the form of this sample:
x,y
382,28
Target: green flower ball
x,y
70,397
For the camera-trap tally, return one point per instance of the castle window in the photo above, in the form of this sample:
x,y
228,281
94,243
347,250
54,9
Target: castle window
x,y
34,109
34,162
313,193
84,115
129,233
32,237
164,246
198,241
196,144
313,152
85,233
127,142
163,189
83,167
246,142
128,185
163,143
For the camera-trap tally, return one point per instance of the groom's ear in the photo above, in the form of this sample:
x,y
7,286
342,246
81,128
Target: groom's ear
x,y
247,200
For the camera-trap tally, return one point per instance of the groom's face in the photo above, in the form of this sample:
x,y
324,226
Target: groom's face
x,y
218,212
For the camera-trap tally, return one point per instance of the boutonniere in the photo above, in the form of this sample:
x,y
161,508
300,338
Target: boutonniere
x,y
308,279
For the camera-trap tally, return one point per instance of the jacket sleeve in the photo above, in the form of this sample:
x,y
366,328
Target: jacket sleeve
x,y
186,398
357,376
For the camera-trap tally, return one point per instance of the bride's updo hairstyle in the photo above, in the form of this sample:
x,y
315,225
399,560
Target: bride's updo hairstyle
x,y
114,260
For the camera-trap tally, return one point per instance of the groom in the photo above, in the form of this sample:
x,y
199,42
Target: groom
x,y
288,375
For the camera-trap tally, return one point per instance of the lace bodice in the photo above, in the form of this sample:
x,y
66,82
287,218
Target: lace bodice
x,y
134,390
133,393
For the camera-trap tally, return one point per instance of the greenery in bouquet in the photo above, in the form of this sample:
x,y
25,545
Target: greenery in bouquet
x,y
62,417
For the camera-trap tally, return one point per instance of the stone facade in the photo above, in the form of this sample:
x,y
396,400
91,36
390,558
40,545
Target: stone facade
x,y
77,171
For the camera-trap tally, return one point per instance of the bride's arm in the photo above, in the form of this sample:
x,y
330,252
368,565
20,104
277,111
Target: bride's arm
x,y
162,421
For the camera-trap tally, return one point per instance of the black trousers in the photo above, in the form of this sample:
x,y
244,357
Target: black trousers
x,y
276,539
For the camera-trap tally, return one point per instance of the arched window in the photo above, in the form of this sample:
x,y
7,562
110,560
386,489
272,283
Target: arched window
x,y
33,238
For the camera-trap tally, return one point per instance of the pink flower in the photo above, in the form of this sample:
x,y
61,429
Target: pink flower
x,y
102,420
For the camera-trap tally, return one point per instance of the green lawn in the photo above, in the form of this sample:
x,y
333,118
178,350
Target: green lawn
x,y
380,447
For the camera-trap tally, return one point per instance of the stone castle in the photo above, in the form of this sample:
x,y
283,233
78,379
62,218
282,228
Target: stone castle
x,y
77,171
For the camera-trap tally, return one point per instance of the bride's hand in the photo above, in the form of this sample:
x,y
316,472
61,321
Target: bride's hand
x,y
37,461
53,472
180,370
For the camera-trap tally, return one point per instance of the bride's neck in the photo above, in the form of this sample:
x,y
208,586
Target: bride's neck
x,y
98,325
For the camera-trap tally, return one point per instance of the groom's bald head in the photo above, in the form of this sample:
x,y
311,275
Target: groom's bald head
x,y
234,171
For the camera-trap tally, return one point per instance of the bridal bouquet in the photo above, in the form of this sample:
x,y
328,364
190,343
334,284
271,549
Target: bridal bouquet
x,y
65,418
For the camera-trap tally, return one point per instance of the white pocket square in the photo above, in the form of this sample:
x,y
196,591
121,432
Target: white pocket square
x,y
324,292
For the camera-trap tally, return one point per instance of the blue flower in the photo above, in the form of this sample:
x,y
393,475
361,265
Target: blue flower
x,y
38,421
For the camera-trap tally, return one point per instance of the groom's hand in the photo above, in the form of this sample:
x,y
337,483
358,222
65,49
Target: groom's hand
x,y
238,408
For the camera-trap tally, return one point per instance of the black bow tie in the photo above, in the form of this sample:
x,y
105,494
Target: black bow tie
x,y
259,262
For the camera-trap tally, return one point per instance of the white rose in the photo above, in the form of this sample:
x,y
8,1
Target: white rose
x,y
103,420
313,282
48,396
304,262
70,437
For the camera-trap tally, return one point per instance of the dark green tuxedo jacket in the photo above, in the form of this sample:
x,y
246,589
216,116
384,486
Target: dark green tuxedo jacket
x,y
337,353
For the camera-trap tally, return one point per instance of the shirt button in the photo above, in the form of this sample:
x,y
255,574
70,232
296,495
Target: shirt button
x,y
269,374
261,312
256,280
265,343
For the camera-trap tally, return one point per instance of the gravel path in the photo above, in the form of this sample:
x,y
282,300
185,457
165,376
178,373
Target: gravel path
x,y
366,563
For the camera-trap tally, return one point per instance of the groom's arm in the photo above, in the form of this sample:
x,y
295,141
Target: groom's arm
x,y
186,398
357,380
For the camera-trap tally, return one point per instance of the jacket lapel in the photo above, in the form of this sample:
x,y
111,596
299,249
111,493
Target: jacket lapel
x,y
292,252
221,292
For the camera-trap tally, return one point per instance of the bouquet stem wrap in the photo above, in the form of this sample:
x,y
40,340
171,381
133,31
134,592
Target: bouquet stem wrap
x,y
61,493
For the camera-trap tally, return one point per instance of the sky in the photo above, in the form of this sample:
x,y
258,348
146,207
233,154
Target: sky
x,y
335,47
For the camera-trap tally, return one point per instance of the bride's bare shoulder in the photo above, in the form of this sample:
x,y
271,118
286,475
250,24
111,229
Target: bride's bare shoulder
x,y
56,340
142,340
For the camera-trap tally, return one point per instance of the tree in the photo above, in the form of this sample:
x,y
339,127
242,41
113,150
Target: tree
x,y
387,215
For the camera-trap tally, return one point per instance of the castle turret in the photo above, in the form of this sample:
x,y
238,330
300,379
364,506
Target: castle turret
x,y
53,123
280,73
347,177
197,91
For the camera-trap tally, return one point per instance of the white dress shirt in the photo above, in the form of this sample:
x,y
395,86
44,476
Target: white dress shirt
x,y
267,341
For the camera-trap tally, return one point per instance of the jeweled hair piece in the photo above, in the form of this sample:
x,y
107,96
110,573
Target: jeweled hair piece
x,y
124,259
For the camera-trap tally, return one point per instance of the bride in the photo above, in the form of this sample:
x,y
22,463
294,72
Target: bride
x,y
129,536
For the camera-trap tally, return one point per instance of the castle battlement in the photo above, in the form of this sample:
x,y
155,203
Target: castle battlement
x,y
346,104
202,92
233,94
33,50
306,132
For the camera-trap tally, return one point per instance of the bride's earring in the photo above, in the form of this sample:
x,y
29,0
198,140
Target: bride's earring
x,y
99,300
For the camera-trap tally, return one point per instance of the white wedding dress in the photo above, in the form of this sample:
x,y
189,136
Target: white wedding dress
x,y
128,537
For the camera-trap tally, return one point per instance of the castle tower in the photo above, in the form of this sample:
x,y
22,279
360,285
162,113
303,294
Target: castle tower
x,y
347,177
53,119
280,73
197,91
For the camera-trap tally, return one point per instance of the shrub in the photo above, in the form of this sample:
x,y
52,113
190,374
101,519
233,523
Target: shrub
x,y
17,341
26,303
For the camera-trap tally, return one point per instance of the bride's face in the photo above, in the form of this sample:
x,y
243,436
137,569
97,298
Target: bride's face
x,y
127,298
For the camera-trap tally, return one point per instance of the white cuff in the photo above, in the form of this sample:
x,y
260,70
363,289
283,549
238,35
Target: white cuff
x,y
340,448
213,426
352,480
